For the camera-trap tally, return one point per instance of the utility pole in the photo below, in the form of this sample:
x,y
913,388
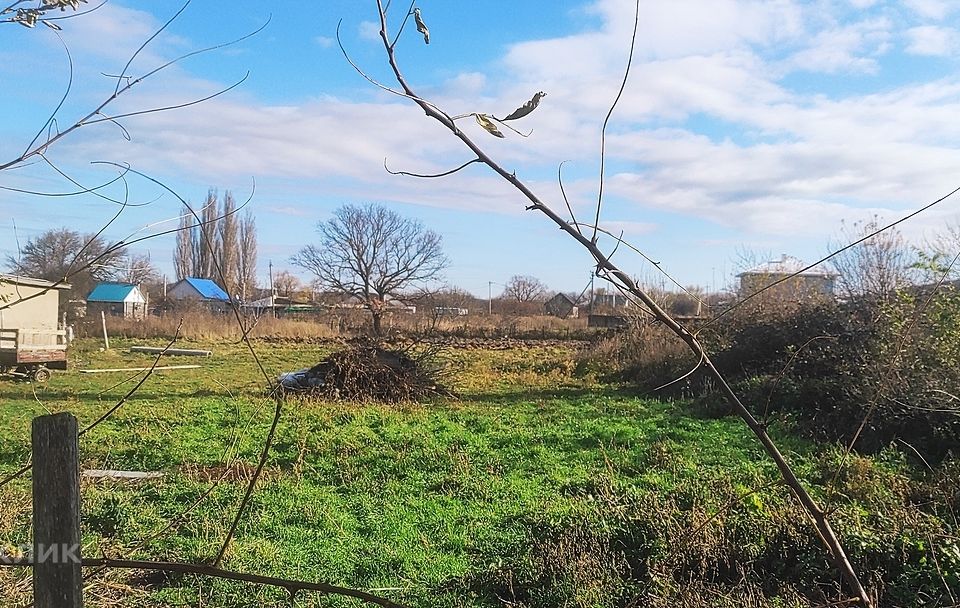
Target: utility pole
x,y
489,297
273,294
591,294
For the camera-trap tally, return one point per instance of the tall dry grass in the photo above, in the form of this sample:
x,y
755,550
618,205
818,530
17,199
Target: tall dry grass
x,y
206,326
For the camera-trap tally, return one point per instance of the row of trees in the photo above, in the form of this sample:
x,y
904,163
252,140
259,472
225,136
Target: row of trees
x,y
218,243
82,260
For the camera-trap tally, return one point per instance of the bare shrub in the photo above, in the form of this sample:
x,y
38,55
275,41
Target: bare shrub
x,y
647,354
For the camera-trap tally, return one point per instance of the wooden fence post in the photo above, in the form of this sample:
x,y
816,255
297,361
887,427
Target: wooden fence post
x,y
106,338
57,578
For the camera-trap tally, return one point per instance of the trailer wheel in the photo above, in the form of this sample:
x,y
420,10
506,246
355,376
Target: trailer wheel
x,y
41,374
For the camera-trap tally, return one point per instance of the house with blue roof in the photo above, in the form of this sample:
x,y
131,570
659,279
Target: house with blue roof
x,y
206,292
117,299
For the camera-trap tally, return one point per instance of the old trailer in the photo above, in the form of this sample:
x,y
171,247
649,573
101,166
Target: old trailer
x,y
32,341
32,353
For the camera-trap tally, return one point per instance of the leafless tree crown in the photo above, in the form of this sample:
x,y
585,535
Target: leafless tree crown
x,y
524,288
876,268
369,253
222,247
66,255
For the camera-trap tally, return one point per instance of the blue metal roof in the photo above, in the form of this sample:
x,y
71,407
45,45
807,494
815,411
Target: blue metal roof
x,y
110,292
208,289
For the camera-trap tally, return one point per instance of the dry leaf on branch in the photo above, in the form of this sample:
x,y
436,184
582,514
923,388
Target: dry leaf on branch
x,y
526,108
421,26
484,121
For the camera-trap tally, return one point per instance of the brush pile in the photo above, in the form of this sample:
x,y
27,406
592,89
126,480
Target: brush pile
x,y
370,372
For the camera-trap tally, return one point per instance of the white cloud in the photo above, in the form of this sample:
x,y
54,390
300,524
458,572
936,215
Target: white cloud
x,y
850,48
369,30
759,157
932,41
324,42
287,210
931,9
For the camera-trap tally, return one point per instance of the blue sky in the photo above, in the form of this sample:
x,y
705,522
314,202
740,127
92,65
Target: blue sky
x,y
746,125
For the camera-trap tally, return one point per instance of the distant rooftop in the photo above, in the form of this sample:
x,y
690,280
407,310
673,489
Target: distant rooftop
x,y
786,265
208,289
22,280
111,292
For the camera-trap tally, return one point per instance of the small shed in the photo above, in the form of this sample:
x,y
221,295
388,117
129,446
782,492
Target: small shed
x,y
562,306
27,303
117,299
30,333
205,292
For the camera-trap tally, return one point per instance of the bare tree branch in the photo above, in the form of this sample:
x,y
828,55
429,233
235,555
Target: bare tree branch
x,y
291,585
819,517
430,175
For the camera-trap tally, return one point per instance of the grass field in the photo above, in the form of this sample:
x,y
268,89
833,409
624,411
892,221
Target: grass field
x,y
533,488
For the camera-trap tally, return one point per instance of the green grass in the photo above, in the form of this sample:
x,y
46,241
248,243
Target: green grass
x,y
534,487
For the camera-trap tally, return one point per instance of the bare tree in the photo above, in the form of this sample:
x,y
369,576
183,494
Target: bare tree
x,y
587,235
938,258
286,283
205,239
246,263
183,253
139,269
876,268
228,243
66,255
371,253
220,247
524,288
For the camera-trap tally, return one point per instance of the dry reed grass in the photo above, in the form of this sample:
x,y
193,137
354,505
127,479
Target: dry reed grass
x,y
207,326
203,325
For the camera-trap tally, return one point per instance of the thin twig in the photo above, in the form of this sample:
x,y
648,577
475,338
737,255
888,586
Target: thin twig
x,y
822,524
613,106
429,175
291,585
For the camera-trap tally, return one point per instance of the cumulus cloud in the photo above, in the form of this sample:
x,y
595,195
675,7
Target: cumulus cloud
x,y
932,40
931,9
849,48
710,126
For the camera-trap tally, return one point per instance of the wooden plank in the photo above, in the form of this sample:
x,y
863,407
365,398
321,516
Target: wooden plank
x,y
156,350
137,369
41,356
131,475
57,578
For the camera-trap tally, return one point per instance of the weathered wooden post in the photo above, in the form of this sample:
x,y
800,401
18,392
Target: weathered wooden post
x,y
106,338
57,579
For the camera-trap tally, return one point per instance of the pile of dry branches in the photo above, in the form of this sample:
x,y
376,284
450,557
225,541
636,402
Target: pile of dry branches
x,y
369,371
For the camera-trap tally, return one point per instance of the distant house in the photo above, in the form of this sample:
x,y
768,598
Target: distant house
x,y
202,292
29,303
793,283
562,306
117,299
610,300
